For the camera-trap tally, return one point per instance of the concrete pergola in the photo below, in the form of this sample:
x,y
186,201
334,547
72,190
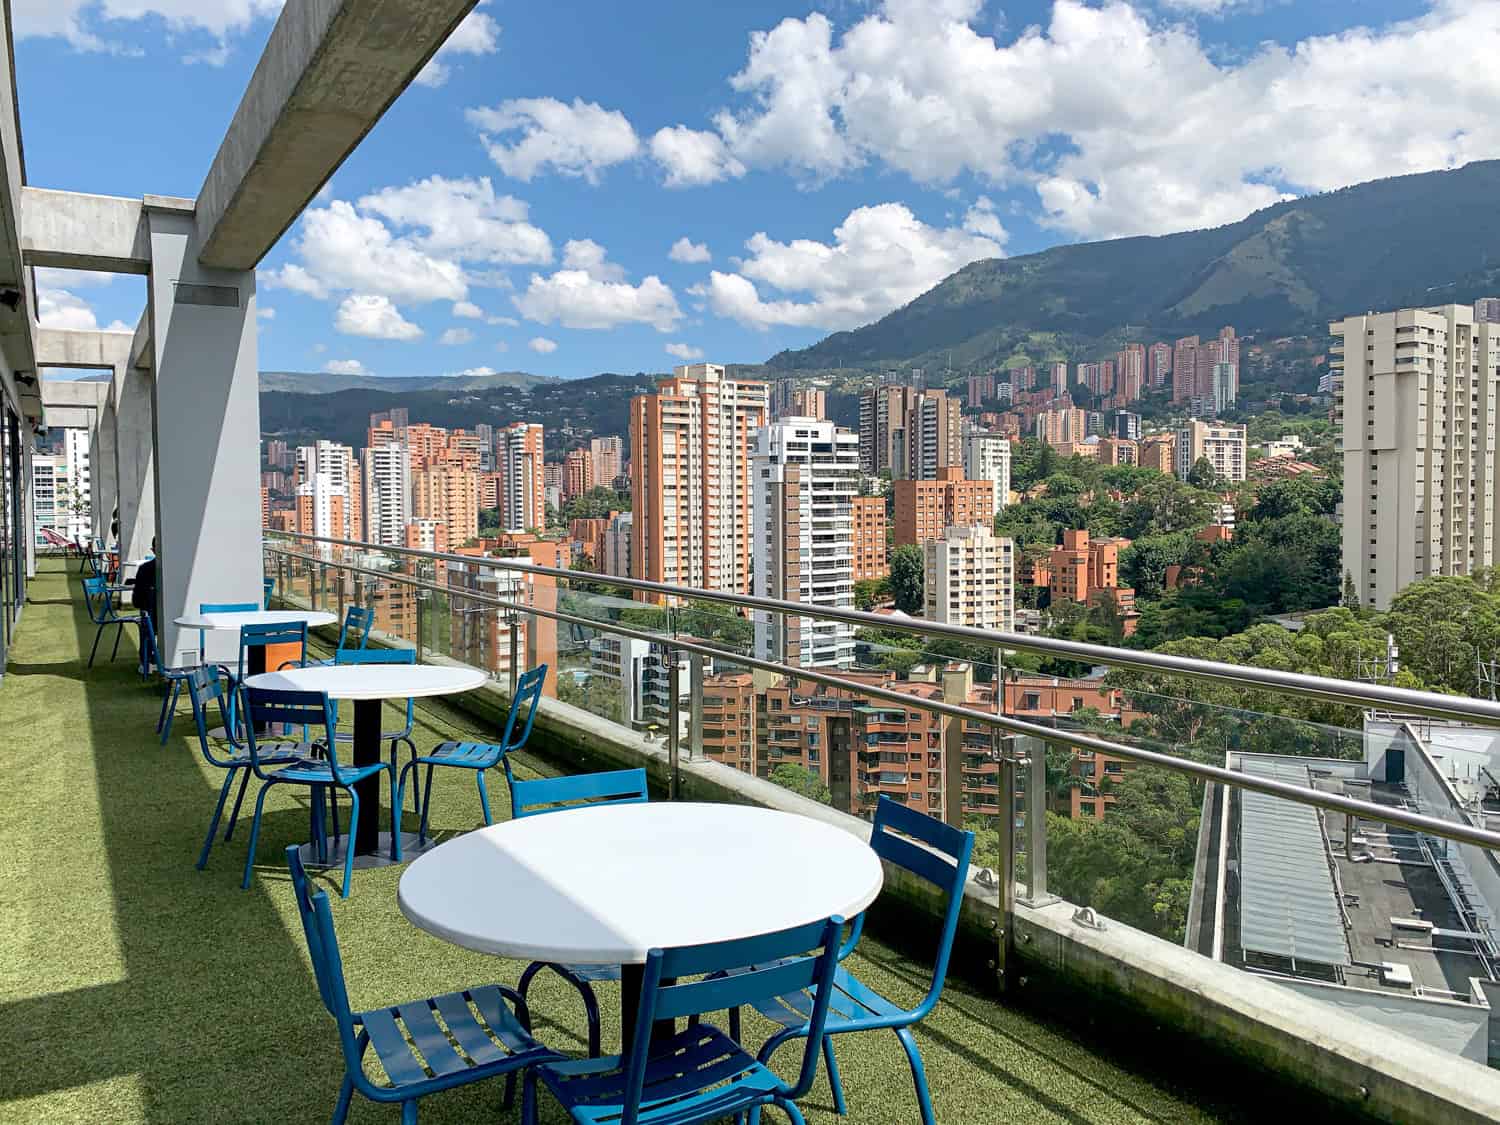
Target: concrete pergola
x,y
175,428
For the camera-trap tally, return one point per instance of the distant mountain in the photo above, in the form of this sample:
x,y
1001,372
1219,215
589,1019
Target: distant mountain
x,y
571,410
1285,270
324,383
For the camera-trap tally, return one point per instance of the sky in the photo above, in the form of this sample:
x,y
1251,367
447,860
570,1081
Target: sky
x,y
588,187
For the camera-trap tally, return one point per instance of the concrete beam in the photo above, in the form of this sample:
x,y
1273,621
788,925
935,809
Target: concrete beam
x,y
140,343
79,348
329,72
71,230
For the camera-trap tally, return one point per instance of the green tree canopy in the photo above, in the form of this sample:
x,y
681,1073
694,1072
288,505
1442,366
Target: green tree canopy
x,y
907,580
800,780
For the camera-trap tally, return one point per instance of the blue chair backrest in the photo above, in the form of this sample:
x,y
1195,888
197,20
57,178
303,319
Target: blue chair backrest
x,y
356,618
528,695
936,852
206,687
270,589
96,598
258,636
754,969
581,790
269,706
219,607
328,966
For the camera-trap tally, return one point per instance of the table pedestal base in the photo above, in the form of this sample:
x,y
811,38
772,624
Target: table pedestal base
x,y
410,849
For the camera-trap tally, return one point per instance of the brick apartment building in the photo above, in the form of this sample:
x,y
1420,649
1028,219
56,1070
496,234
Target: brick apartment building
x,y
925,509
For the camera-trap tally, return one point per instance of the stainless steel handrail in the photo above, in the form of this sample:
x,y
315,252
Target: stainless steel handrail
x,y
1327,689
1072,739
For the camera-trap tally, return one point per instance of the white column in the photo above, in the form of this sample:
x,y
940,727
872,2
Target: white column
x,y
103,490
207,428
134,460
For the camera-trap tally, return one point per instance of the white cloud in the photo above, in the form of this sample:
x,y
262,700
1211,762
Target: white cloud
x,y
691,157
472,372
881,257
343,249
686,250
587,255
478,34
265,312
345,367
455,336
464,219
541,345
504,321
467,310
72,279
373,315
1123,123
684,351
574,299
581,139
58,308
79,22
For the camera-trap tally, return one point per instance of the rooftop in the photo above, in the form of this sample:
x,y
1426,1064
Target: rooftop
x,y
136,989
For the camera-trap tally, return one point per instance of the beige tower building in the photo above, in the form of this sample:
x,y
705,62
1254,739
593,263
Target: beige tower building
x,y
1221,444
690,446
1415,403
969,578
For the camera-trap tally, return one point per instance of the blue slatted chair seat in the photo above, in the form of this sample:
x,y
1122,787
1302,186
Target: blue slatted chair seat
x,y
318,772
275,754
397,1033
593,1089
852,999
475,755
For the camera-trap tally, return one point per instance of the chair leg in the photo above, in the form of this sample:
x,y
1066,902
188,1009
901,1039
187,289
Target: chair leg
x,y
238,801
260,804
213,825
401,793
585,993
349,877
484,797
426,804
395,820
510,1091
793,1114
528,1097
119,632
346,1094
834,1081
95,650
918,1074
161,716
409,1112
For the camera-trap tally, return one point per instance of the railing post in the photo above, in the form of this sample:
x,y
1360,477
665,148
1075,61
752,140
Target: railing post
x,y
515,651
421,631
695,720
1036,822
674,706
1006,873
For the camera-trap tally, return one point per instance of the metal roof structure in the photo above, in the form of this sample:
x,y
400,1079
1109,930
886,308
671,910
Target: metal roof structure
x,y
1288,903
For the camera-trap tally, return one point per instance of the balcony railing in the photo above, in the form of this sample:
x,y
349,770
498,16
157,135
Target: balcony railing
x,y
1225,790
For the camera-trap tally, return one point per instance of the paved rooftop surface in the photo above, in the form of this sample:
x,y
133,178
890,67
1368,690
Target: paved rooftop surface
x,y
134,988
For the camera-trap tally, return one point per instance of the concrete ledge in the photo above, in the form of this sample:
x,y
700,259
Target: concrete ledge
x,y
72,230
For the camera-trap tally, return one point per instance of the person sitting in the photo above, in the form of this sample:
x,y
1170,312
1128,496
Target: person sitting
x,y
143,597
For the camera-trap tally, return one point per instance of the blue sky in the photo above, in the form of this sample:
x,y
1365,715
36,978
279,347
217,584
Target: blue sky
x,y
603,187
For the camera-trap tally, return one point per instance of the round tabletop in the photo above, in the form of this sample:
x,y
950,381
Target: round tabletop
x,y
372,681
238,620
604,886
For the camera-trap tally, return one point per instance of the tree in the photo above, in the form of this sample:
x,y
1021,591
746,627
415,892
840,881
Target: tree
x,y
868,591
907,567
1351,592
1202,474
803,781
596,503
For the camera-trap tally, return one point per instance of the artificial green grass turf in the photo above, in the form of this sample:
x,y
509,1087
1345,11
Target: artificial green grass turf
x,y
134,988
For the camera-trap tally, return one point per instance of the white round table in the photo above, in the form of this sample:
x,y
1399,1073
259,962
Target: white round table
x,y
366,685
237,621
604,886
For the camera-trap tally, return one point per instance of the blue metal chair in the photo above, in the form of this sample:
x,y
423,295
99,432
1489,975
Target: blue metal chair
x,y
480,756
173,677
701,1074
409,1039
356,619
104,614
308,709
394,737
269,585
554,794
205,685
934,852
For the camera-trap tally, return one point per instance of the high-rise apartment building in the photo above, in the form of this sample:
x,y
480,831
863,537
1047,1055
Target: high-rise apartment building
x,y
1415,406
910,432
1487,310
614,549
969,578
1056,427
397,418
486,435
981,389
387,485
870,560
805,474
925,509
690,446
1059,378
1130,372
61,489
449,493
987,457
335,463
321,506
1184,368
1159,452
1160,365
1124,424
426,535
606,459
1221,444
519,461
426,443
578,474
